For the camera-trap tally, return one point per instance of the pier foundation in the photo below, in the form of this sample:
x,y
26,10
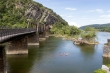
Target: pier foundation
x,y
2,60
106,50
33,39
17,46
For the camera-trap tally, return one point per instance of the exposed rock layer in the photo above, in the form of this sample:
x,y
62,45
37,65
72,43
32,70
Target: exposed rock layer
x,y
27,12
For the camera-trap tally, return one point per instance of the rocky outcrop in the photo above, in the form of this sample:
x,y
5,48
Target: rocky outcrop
x,y
26,12
43,15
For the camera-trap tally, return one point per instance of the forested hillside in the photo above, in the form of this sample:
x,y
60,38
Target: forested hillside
x,y
102,27
26,13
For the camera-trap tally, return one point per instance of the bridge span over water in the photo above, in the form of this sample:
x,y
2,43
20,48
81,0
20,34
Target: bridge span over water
x,y
16,41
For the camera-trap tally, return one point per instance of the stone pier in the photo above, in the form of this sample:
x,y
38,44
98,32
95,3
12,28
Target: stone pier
x,y
33,39
106,50
2,60
42,33
108,42
17,46
47,31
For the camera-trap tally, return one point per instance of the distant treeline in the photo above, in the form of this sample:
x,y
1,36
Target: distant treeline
x,y
99,27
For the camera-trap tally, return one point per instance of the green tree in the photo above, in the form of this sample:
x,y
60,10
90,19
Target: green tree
x,y
89,34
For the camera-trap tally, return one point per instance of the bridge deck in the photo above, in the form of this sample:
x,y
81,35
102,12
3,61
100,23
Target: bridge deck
x,y
6,34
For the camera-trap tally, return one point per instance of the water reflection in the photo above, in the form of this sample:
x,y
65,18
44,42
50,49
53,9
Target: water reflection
x,y
21,63
87,49
106,61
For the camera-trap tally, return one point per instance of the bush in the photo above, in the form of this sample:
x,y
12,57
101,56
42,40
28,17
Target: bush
x,y
100,71
88,33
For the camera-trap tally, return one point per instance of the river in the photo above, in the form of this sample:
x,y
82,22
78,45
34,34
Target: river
x,y
60,56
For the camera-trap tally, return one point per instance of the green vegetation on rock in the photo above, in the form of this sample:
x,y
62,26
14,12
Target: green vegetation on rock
x,y
100,71
89,34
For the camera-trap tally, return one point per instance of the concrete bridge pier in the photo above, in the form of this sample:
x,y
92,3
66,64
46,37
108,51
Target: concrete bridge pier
x,y
33,39
47,31
42,33
42,36
2,60
106,50
17,46
108,42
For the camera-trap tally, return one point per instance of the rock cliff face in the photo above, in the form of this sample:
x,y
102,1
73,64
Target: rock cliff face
x,y
22,12
42,15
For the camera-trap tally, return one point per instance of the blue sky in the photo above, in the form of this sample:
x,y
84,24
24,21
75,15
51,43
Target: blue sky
x,y
80,12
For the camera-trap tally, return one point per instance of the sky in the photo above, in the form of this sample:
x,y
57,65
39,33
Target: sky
x,y
80,12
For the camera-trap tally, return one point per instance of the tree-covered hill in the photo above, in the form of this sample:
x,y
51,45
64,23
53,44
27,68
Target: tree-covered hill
x,y
23,13
103,27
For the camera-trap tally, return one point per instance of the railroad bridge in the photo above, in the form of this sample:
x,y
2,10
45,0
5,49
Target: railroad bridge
x,y
17,41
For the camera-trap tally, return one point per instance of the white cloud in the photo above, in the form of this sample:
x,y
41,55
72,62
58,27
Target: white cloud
x,y
108,11
70,8
73,23
62,15
105,16
91,11
96,10
99,10
93,20
85,18
102,18
70,16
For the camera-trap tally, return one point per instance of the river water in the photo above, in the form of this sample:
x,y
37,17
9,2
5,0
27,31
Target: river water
x,y
60,56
